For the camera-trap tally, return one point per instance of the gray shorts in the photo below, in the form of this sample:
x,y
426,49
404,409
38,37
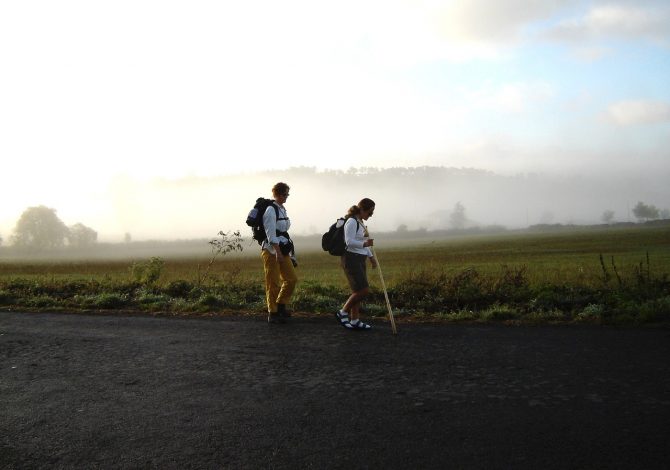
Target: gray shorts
x,y
355,269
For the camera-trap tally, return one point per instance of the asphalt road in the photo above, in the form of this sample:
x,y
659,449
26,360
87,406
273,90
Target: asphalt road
x,y
86,391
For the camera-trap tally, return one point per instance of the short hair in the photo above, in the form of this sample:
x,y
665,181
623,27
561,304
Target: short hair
x,y
280,189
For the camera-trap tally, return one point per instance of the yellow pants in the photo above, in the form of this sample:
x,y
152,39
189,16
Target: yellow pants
x,y
280,280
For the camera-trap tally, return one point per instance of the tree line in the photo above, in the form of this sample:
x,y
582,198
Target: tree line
x,y
642,212
458,219
39,228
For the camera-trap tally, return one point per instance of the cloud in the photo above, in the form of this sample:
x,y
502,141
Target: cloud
x,y
590,54
617,21
495,21
406,33
513,98
633,112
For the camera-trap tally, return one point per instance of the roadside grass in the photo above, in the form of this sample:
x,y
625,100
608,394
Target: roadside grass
x,y
616,276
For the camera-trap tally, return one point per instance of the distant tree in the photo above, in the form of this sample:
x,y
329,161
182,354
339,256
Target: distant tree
x,y
39,228
458,219
642,211
0,240
127,238
402,228
81,236
608,216
665,214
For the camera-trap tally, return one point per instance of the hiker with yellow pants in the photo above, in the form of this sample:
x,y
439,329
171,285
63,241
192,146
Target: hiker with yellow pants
x,y
278,256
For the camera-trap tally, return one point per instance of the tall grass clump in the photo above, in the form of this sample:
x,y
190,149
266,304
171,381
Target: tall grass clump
x,y
312,296
467,290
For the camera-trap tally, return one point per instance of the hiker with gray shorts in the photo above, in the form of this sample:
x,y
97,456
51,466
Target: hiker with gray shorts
x,y
353,261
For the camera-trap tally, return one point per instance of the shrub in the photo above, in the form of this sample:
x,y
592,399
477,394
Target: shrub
x,y
147,272
435,291
565,298
420,290
69,288
546,316
656,310
460,315
24,287
179,305
512,285
39,301
6,298
150,301
179,288
210,301
634,312
107,300
499,313
468,289
591,313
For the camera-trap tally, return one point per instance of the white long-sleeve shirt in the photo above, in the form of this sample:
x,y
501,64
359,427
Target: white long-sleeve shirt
x,y
272,224
355,237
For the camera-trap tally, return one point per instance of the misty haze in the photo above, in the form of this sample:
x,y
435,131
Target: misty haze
x,y
417,198
423,198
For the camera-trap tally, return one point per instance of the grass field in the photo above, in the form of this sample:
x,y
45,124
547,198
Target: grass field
x,y
423,275
571,257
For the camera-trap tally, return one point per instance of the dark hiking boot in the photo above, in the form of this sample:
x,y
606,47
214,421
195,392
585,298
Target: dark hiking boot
x,y
273,317
284,314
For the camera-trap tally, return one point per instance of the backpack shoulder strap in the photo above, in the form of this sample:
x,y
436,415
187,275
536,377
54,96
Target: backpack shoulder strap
x,y
277,212
347,217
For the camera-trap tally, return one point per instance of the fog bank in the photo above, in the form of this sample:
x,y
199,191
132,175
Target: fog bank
x,y
422,197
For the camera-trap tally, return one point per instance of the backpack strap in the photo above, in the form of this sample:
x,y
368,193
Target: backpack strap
x,y
350,217
285,234
276,208
279,232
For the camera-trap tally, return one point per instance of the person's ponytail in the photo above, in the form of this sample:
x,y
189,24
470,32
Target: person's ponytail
x,y
353,211
364,204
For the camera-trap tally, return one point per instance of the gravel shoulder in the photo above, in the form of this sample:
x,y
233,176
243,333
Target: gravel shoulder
x,y
129,391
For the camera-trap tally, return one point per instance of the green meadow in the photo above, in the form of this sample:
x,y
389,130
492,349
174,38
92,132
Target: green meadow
x,y
602,275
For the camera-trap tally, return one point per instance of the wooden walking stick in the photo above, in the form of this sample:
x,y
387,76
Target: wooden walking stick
x,y
386,296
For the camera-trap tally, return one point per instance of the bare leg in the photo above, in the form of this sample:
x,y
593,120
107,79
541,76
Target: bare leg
x,y
353,303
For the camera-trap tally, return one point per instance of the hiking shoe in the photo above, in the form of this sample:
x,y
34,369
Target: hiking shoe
x,y
273,317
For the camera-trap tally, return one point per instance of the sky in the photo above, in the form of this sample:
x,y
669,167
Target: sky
x,y
95,93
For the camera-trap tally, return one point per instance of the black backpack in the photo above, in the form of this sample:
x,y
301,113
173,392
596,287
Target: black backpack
x,y
333,240
255,218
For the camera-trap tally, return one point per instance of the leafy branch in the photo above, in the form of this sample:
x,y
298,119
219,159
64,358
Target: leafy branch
x,y
221,246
